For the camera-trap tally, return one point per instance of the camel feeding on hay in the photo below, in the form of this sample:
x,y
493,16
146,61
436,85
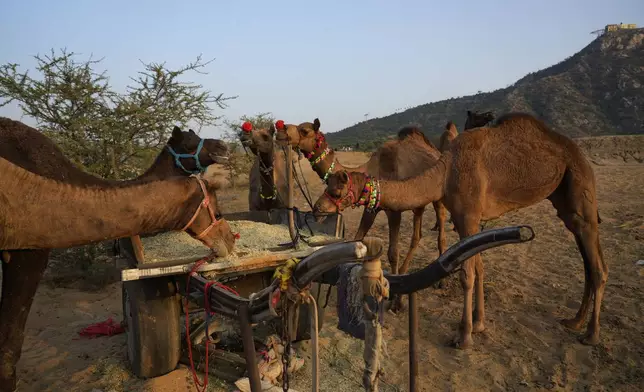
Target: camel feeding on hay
x,y
184,154
267,180
487,172
407,156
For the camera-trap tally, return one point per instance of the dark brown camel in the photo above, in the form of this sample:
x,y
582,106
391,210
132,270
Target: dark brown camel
x,y
407,156
487,172
30,149
267,180
476,119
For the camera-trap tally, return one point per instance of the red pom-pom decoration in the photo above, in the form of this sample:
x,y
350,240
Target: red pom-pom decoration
x,y
279,125
247,126
237,236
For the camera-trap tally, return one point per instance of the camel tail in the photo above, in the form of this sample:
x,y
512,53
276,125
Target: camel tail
x,y
599,219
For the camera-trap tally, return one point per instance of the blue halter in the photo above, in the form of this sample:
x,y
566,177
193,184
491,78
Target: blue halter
x,y
195,156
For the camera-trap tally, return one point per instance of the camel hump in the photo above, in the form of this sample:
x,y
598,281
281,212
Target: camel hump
x,y
515,117
411,131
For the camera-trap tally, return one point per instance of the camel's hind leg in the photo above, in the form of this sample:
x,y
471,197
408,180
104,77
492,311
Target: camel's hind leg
x,y
415,239
20,278
441,218
578,211
368,217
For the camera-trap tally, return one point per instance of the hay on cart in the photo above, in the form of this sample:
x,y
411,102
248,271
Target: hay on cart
x,y
256,238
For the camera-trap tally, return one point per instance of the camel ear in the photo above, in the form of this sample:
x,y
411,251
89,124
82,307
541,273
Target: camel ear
x,y
316,125
176,132
344,177
469,113
192,132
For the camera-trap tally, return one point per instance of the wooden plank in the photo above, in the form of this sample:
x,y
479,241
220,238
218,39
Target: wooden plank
x,y
222,364
224,267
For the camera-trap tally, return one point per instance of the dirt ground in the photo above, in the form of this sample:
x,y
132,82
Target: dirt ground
x,y
528,289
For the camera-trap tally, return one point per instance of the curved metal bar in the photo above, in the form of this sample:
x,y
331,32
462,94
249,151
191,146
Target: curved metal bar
x,y
455,256
331,256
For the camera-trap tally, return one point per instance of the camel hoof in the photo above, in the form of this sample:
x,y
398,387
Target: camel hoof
x,y
478,327
590,339
462,342
572,324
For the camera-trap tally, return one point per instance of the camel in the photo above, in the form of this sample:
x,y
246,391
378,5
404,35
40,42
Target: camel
x,y
407,156
30,149
476,119
487,172
448,135
268,181
41,213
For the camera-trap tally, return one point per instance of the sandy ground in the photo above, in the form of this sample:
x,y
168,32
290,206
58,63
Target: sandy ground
x,y
528,289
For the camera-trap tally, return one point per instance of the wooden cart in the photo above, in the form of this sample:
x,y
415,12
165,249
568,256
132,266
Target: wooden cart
x,y
152,290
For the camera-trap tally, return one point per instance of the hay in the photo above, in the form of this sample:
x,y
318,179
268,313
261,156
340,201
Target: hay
x,y
256,238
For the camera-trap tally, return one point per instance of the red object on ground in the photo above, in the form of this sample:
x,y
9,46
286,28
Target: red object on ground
x,y
105,328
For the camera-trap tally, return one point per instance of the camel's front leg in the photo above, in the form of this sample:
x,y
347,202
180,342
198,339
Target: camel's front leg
x,y
468,227
393,218
368,217
479,311
20,278
415,239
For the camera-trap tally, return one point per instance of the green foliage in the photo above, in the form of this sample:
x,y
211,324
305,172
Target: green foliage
x,y
111,134
597,91
240,161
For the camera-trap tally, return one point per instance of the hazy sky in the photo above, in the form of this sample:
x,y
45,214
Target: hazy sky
x,y
328,59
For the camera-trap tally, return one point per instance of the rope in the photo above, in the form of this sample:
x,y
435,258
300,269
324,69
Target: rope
x,y
201,386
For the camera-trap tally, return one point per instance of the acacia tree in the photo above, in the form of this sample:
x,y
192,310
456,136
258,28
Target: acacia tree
x,y
111,134
239,162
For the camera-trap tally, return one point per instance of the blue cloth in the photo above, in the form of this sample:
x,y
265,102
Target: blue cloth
x,y
348,321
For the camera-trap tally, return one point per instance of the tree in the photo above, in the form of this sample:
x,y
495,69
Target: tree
x,y
239,162
111,134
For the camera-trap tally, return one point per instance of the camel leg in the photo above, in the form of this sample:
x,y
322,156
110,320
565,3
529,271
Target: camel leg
x,y
467,276
581,220
20,278
479,310
365,224
393,218
415,239
441,217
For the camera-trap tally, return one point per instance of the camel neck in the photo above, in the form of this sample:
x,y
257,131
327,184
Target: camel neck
x,y
267,188
164,166
416,191
43,213
324,162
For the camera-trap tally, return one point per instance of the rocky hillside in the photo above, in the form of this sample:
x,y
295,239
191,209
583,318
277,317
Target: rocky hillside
x,y
598,91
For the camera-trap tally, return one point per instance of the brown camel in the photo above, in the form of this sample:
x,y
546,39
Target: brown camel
x,y
487,172
267,180
30,149
41,213
476,119
407,156
448,135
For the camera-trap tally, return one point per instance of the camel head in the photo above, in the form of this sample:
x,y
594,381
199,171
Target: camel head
x,y
347,190
476,119
258,140
302,137
194,154
207,224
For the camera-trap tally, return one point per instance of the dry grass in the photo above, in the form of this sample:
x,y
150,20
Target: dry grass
x,y
528,289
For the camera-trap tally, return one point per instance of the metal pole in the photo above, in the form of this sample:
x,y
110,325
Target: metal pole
x,y
413,337
249,347
289,171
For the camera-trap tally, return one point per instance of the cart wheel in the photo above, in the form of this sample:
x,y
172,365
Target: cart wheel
x,y
304,321
151,310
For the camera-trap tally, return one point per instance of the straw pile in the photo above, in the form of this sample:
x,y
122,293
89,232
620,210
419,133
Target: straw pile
x,y
256,238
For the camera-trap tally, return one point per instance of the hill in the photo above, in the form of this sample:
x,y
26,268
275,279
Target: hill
x,y
598,91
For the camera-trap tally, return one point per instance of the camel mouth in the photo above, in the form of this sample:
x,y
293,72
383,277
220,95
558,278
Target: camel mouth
x,y
219,159
219,248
